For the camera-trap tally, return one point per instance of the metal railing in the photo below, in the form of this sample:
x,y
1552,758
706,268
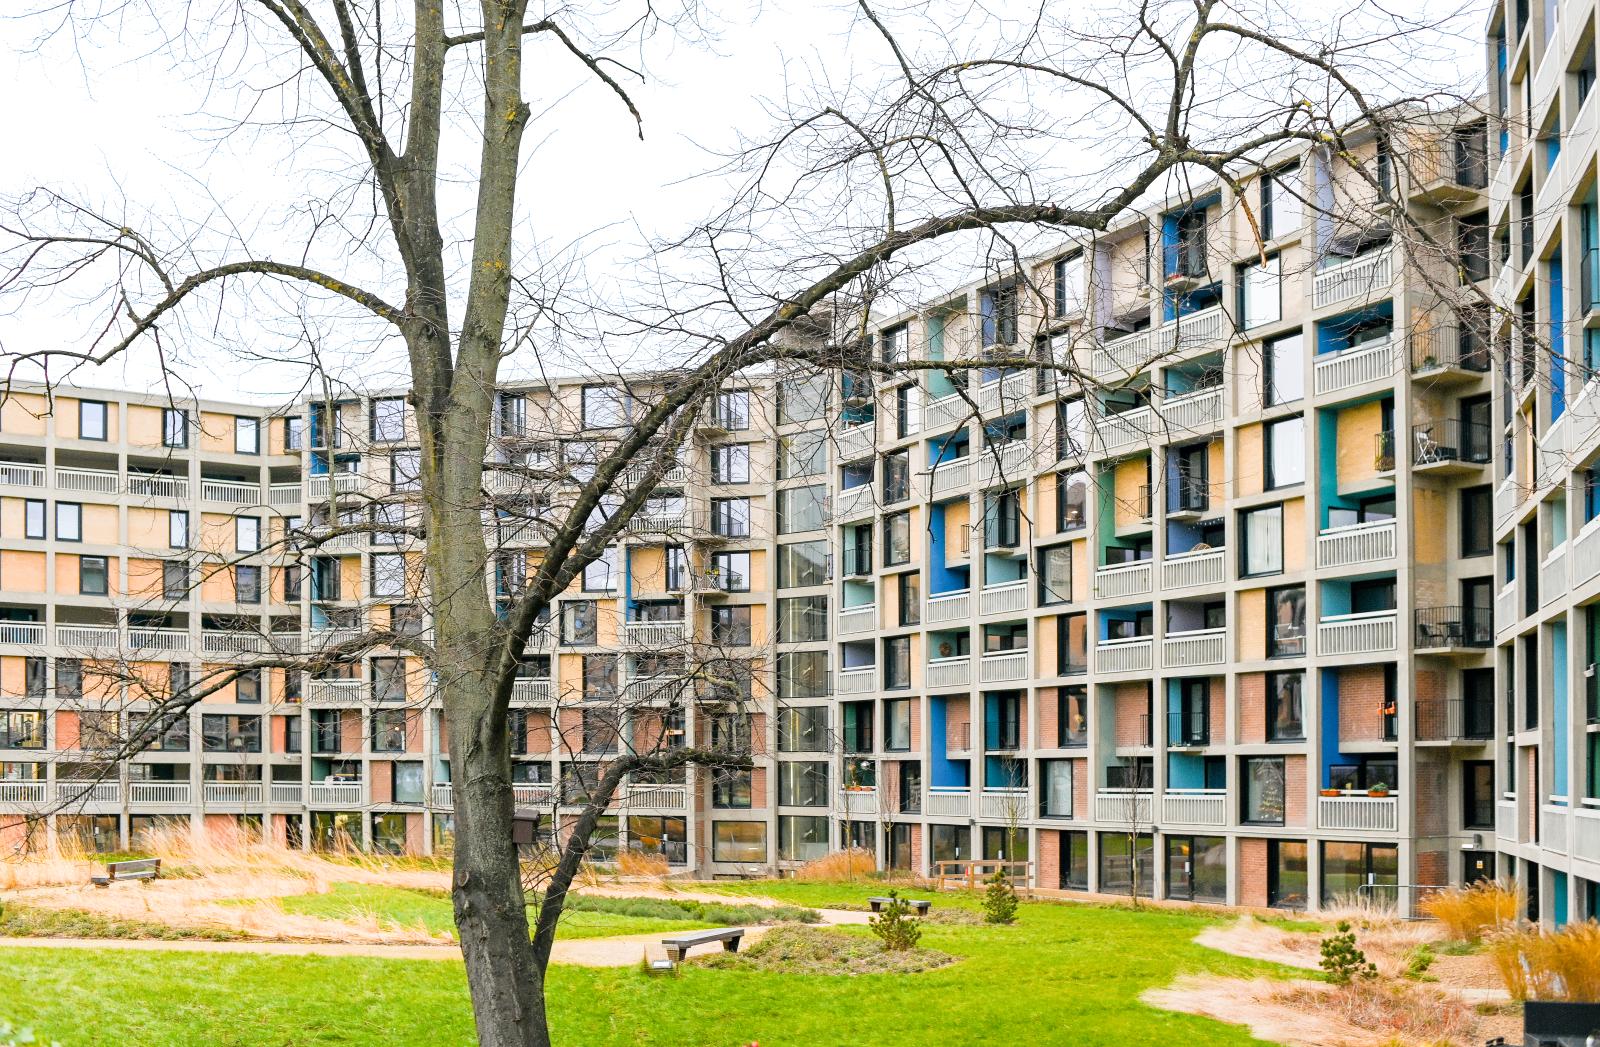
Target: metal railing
x,y
1451,440
1454,627
1465,347
1451,719
1192,727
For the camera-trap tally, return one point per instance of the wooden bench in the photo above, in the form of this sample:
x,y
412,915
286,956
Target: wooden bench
x,y
134,869
921,905
679,944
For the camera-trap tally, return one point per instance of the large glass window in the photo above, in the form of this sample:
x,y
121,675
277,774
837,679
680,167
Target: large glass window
x,y
33,518
178,528
247,533
604,407
1197,868
730,626
1360,874
1477,793
1263,541
1260,297
896,539
1285,378
92,420
1282,195
174,427
803,783
803,729
739,842
897,663
226,733
1263,790
802,837
896,476
69,522
897,725
732,410
1055,788
1477,521
802,619
92,575
802,454
730,464
1286,608
803,674
578,622
1072,501
802,564
1286,452
802,398
388,574
1287,879
388,419
1127,863
1285,707
802,509
1055,574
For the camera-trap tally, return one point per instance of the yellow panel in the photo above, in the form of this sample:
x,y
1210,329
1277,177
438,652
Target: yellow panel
x,y
1358,429
216,583
24,414
216,432
649,569
13,519
350,577
1430,541
1128,478
13,675
1252,625
147,528
1044,638
144,425
100,524
1294,534
66,417
144,577
1247,476
216,533
22,572
759,581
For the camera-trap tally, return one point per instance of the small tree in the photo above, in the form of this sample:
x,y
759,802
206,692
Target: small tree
x,y
1342,960
895,927
1000,899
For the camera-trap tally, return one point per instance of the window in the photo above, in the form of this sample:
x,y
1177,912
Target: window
x,y
803,783
1263,541
1002,520
405,470
906,410
730,571
599,574
1069,289
803,454
578,622
230,733
247,583
178,528
1285,707
387,519
512,414
1285,377
910,597
1286,610
1477,794
803,729
1055,788
895,345
1072,501
389,730
92,420
853,475
730,626
1263,790
730,464
1055,574
174,579
1281,196
732,410
22,729
802,619
92,575
803,398
599,676
294,433
739,841
388,574
802,564
896,476
1072,644
1477,521
246,435
69,677
801,509
603,407
33,517
803,674
896,663
802,838
897,725
998,309
1260,297
1072,717
388,420
247,687
69,522
1472,247
247,534
1348,867
1287,879
174,427
1286,452
730,517
896,539
388,680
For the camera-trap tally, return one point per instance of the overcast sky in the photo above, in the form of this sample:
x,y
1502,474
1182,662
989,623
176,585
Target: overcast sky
x,y
107,121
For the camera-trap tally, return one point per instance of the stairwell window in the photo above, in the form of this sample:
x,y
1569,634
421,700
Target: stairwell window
x,y
1055,575
801,509
897,539
1286,610
896,476
803,729
732,410
1282,192
1070,292
388,420
33,518
1284,363
730,464
604,407
247,583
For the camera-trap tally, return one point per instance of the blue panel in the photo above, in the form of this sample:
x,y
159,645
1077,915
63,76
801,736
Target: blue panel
x,y
1330,724
1558,702
1558,371
942,578
1186,771
1558,887
942,770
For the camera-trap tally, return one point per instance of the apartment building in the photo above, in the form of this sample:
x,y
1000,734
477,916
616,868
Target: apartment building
x,y
1216,618
1542,210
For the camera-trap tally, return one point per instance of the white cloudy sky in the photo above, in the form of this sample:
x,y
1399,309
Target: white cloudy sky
x,y
116,118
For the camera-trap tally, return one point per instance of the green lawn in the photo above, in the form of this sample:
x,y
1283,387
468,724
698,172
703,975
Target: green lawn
x,y
1066,974
430,909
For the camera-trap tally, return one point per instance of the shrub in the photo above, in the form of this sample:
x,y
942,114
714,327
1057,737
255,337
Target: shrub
x,y
1561,966
1000,899
895,927
1341,960
852,863
1468,912
1419,961
814,950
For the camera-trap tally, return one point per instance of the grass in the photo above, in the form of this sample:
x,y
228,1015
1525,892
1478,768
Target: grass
x,y
833,894
32,921
1079,968
1539,964
1468,913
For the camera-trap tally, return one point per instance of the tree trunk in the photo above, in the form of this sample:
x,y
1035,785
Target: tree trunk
x,y
506,982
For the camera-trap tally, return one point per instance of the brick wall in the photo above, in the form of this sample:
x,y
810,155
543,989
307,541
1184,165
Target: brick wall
x,y
916,847
350,730
382,777
1294,790
1429,707
1433,867
1431,800
570,722
758,788
539,732
1217,709
1361,703
1048,859
1047,716
1132,704
1252,872
916,725
957,711
1252,708
413,834
1080,788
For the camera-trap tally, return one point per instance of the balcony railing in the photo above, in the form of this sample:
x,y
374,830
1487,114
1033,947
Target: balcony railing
x,y
1454,627
1194,807
948,607
1003,667
859,680
1189,728
1194,648
1003,805
333,692
1441,348
859,800
87,637
233,794
1184,570
22,793
73,792
1370,633
1126,430
648,798
145,641
29,634
944,412
1453,719
1124,806
1124,656
1357,365
160,485
1199,411
13,474
944,673
951,476
1003,599
1116,581
1450,440
944,802
89,481
1353,544
863,619
655,634
1361,277
334,794
1358,812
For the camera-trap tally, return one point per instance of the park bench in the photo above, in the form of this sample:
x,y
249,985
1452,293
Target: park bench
x,y
134,869
679,944
921,905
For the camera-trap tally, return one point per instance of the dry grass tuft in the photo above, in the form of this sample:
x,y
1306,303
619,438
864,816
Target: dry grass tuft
x,y
1537,964
852,864
651,866
1404,1012
1468,913
809,950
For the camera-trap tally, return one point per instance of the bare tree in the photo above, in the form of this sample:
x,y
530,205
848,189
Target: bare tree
x,y
844,206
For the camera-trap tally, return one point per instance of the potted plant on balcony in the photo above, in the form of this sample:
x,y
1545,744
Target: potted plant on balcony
x,y
1330,792
1378,789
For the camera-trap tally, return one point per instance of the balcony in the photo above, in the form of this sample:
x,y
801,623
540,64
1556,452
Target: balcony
x,y
1003,599
1196,567
1188,499
1194,807
1195,412
333,692
1453,628
284,496
958,739
1553,575
863,619
1370,633
1006,463
1449,352
655,634
1003,395
948,607
1361,278
13,474
1118,581
647,799
660,523
88,637
1003,667
860,680
334,794
948,673
1196,648
286,794
1448,171
945,802
220,641
635,474
1126,430
1358,812
944,412
655,689
230,492
70,792
320,488
231,794
1003,805
861,800
1130,353
24,794
27,634
1124,806
1450,446
87,481
143,641
159,485
1453,720
1359,365
951,477
1355,544
854,502
1133,655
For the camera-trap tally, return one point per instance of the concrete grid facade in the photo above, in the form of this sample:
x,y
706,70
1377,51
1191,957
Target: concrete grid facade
x,y
1240,591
